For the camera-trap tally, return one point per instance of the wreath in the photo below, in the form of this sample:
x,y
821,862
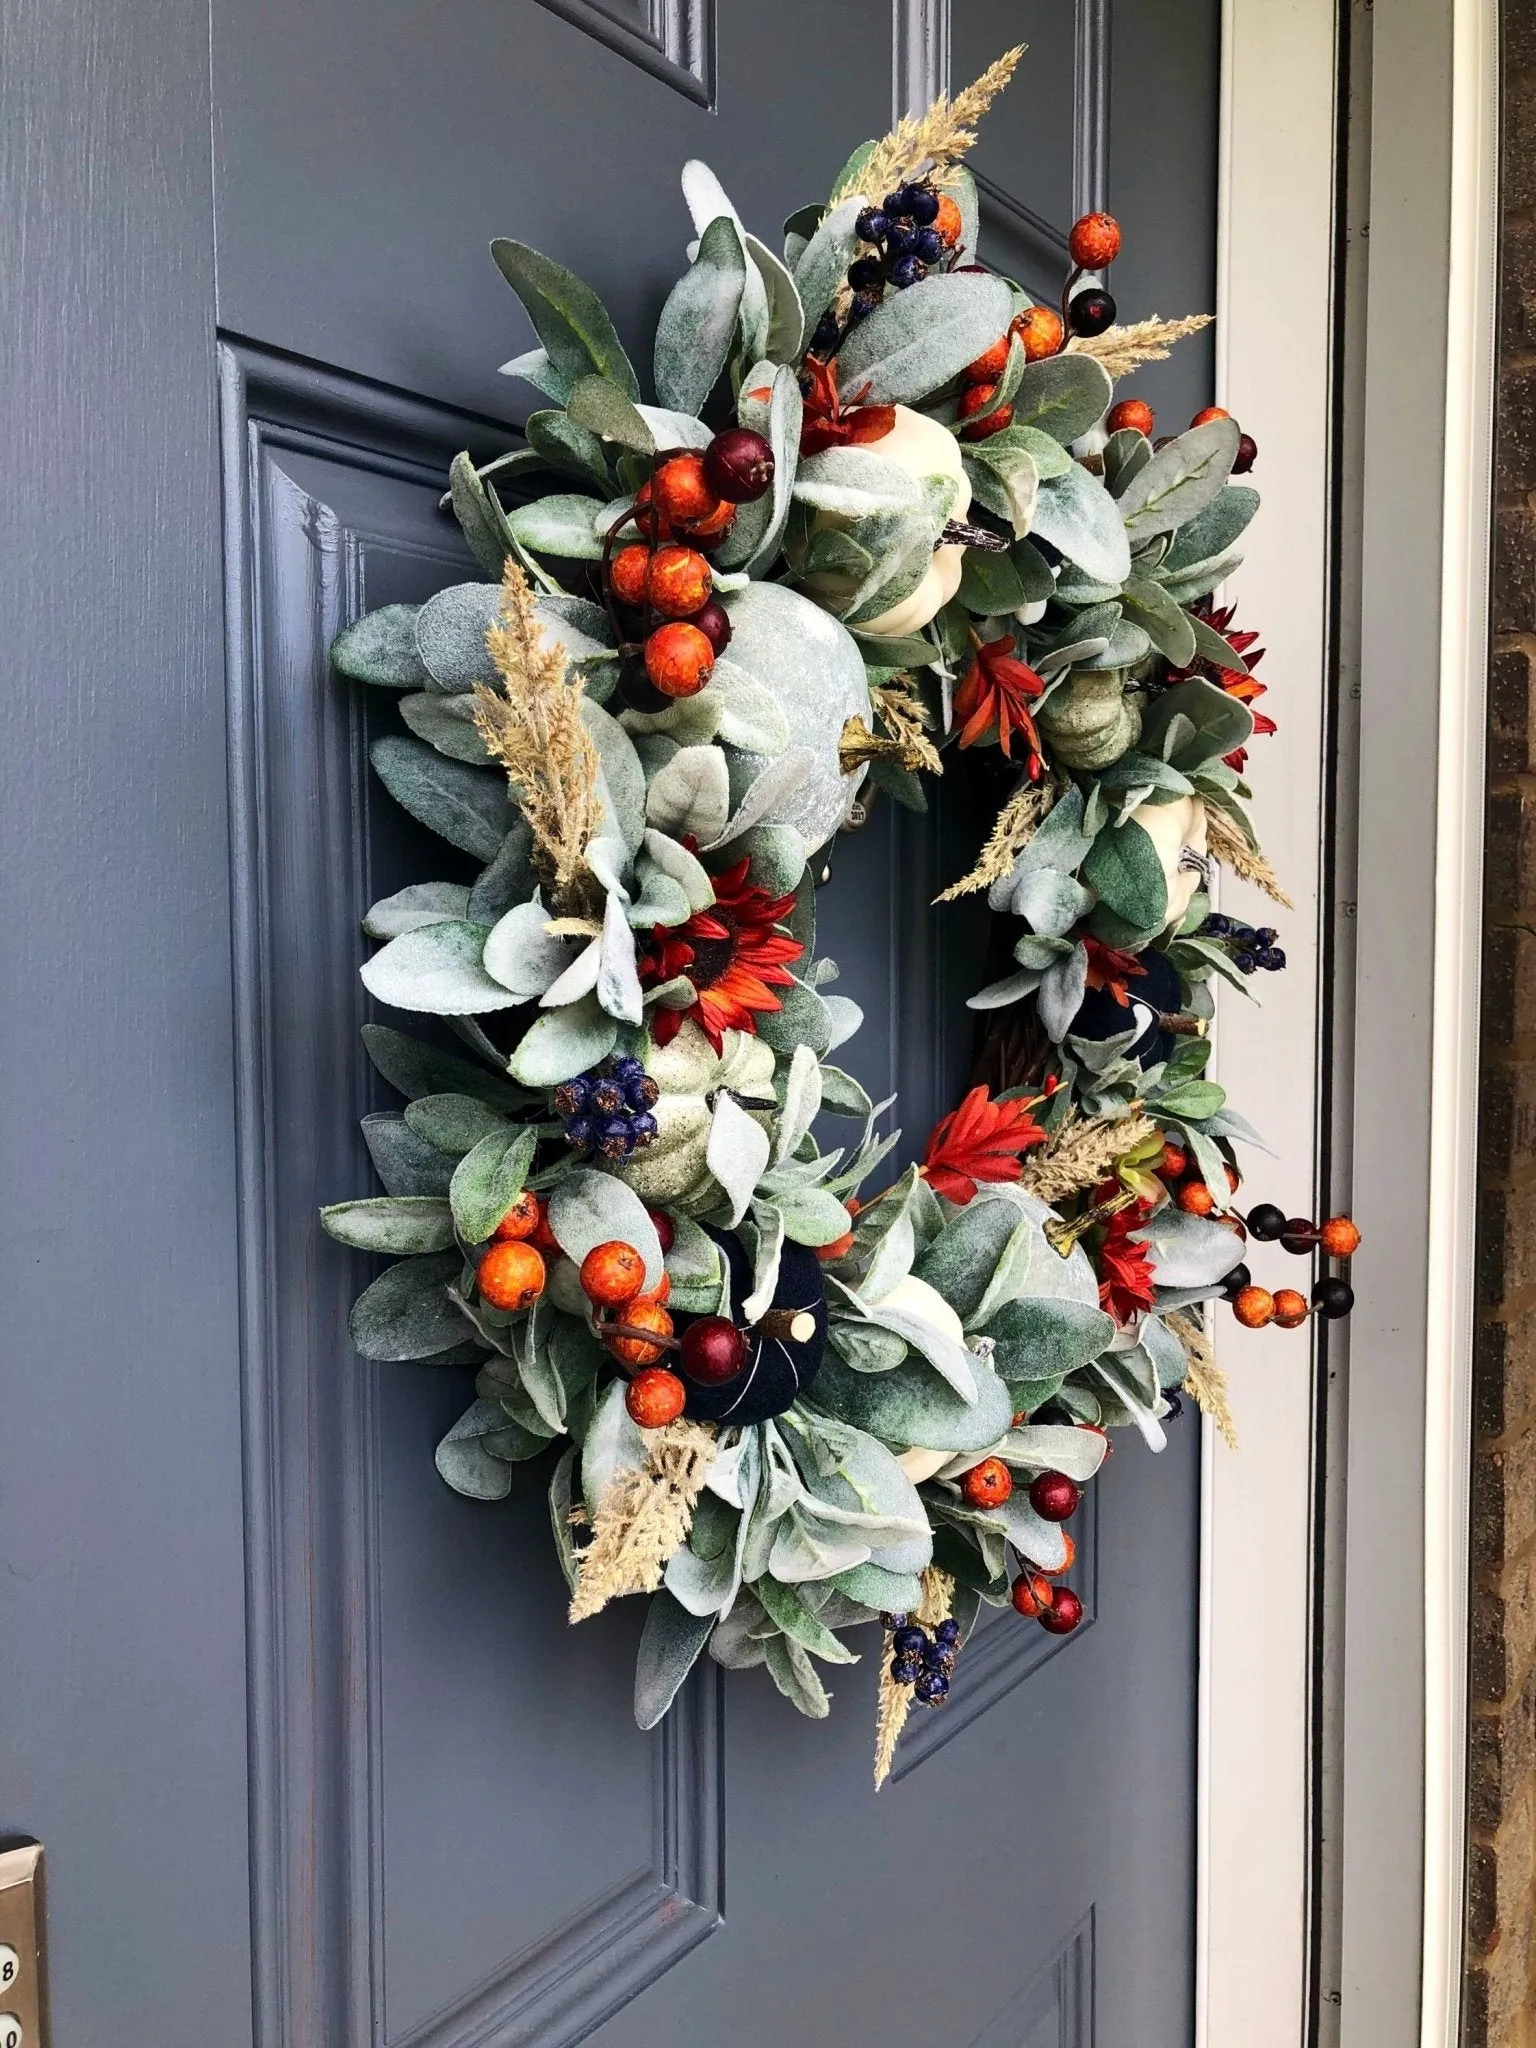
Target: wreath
x,y
884,508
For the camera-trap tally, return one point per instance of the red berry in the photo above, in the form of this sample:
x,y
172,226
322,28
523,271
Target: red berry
x,y
990,364
1290,1308
1195,1198
1040,330
1174,1163
1211,412
521,1220
714,622
738,465
709,531
655,1397
714,1351
1054,1497
680,582
679,660
1065,1612
1071,1557
988,1484
666,1229
836,1249
681,491
1133,413
1247,455
1094,242
628,573
510,1276
612,1273
648,1317
1254,1307
1032,1595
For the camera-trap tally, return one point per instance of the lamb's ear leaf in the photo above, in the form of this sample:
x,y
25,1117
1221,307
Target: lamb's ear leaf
x,y
919,339
1123,870
698,322
397,1224
670,1644
463,1460
604,410
380,648
823,263
488,1180
408,1312
469,807
564,1042
1180,481
1062,396
416,1068
478,511
567,315
436,970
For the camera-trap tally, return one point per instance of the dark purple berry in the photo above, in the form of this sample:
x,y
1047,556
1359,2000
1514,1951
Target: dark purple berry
x,y
1266,1222
1174,1409
1091,312
866,273
738,465
1247,455
932,1688
922,204
894,204
1333,1298
643,1129
824,340
907,271
871,225
860,306
901,240
910,1641
627,1068
1272,959
906,1670
893,1622
571,1096
714,622
641,1094
1244,962
930,245
581,1132
948,1631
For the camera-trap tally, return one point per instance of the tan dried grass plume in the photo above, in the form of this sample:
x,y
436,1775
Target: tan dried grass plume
x,y
1204,1379
643,1517
894,1702
1084,1151
935,140
1123,349
534,727
1226,844
1016,824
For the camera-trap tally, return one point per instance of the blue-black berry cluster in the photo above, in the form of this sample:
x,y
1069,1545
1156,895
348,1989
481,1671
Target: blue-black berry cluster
x,y
905,246
923,1661
1248,947
608,1109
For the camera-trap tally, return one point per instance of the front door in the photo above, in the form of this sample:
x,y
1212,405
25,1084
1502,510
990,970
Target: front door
x,y
453,1832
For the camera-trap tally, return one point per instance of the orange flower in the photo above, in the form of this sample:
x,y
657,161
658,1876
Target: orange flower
x,y
1125,1268
982,1140
830,422
732,954
996,691
1110,969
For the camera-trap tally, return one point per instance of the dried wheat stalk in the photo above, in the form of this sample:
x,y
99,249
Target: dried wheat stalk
x,y
894,1702
643,1517
1226,844
534,727
1084,1151
1016,824
1205,1381
934,140
1123,349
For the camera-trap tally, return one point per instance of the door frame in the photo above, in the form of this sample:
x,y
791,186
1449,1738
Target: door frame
x,y
1354,294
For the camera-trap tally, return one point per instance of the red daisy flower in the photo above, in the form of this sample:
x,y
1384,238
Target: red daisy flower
x,y
732,953
1125,1268
996,691
1232,680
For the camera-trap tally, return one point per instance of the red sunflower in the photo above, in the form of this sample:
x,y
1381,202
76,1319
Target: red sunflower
x,y
1232,680
732,953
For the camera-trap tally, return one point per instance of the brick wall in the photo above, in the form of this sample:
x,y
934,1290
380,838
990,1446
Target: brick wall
x,y
1501,1902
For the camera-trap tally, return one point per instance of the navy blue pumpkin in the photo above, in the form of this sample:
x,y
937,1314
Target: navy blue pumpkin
x,y
1156,990
778,1369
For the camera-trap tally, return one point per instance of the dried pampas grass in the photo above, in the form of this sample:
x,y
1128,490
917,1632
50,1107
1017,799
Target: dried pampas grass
x,y
894,1702
1205,1381
1084,1151
1017,823
931,141
1226,844
643,1517
1123,349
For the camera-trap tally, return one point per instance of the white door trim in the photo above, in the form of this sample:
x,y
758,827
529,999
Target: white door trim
x,y
1416,464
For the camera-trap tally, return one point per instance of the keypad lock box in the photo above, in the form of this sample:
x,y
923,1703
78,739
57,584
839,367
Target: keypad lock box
x,y
23,1998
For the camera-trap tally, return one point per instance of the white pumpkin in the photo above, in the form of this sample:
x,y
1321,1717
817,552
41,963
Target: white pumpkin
x,y
922,448
1172,827
673,1167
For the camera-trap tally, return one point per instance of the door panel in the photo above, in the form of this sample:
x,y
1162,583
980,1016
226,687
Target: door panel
x,y
461,1836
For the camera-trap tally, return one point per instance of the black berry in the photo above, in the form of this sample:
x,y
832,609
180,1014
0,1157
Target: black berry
x,y
1266,1222
1333,1298
1091,312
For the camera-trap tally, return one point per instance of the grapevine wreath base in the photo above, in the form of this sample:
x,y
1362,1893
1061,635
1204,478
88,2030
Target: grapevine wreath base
x,y
884,506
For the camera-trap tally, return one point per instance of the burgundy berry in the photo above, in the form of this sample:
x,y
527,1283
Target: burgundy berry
x,y
738,465
666,1229
714,622
713,1351
1054,1497
1064,1612
1247,455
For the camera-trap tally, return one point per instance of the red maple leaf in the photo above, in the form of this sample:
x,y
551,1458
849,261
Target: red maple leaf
x,y
1110,969
997,691
982,1140
1125,1267
831,422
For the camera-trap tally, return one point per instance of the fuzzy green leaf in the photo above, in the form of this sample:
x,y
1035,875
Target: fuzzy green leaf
x,y
399,1224
488,1180
380,648
469,807
407,1312
567,316
919,339
1062,396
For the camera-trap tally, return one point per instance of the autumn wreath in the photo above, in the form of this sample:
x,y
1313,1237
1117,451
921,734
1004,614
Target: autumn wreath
x,y
885,506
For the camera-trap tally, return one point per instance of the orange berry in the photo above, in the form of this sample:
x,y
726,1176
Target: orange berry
x,y
510,1276
1071,1557
627,576
1041,332
988,1484
989,365
1094,242
837,1248
680,490
521,1220
994,423
612,1273
654,1398
1134,413
648,519
679,581
713,527
660,1296
1234,1178
640,1315
679,660
1174,1163
1212,412
1339,1237
1032,1595
1195,1198
544,1237
1021,1418
1254,1307
1290,1308
948,221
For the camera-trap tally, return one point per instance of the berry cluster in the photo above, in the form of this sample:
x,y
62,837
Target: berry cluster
x,y
911,231
1247,946
511,1271
1093,244
1057,1608
660,591
923,1661
1187,1182
1332,1296
636,1329
608,1109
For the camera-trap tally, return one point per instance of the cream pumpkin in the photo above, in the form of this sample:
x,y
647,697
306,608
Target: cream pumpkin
x,y
1171,828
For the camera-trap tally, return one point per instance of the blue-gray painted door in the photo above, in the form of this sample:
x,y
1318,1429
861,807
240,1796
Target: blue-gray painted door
x,y
316,1759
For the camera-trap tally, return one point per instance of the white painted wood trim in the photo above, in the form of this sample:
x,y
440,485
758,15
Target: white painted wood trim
x,y
1458,934
1274,372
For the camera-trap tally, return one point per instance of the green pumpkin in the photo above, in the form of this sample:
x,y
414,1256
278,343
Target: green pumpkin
x,y
1089,720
